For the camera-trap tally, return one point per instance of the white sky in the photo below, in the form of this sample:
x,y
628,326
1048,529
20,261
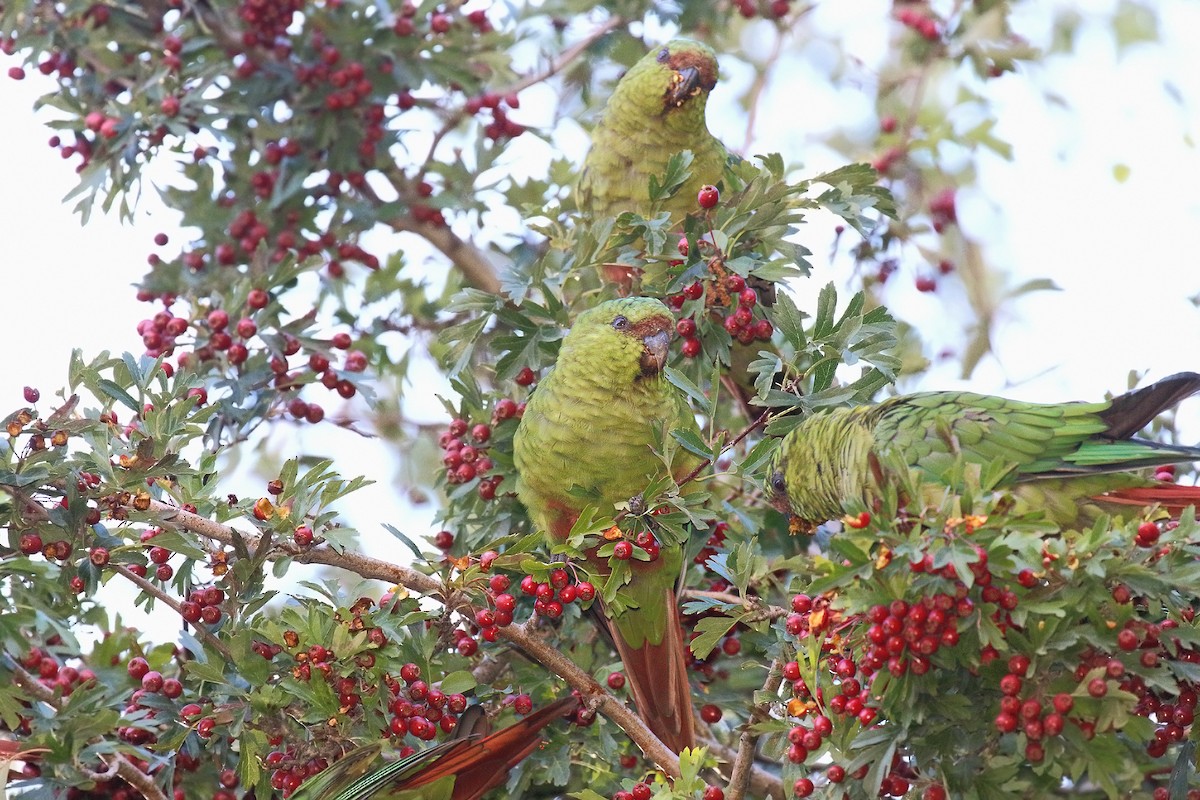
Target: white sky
x,y
1122,251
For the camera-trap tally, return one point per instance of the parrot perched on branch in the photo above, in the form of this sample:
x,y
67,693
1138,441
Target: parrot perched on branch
x,y
1068,459
655,112
591,424
464,767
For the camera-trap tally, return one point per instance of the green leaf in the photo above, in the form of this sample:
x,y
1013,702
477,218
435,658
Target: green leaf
x,y
458,682
691,442
709,633
684,384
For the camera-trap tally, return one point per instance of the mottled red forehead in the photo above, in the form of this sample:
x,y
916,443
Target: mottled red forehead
x,y
698,60
651,325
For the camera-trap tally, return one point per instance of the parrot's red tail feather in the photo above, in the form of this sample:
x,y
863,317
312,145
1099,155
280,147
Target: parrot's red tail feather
x,y
1171,496
658,680
480,764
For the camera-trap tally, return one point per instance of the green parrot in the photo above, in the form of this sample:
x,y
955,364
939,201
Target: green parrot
x,y
1068,459
464,767
655,112
590,424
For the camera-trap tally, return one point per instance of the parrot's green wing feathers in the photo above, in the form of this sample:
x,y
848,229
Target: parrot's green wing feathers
x,y
1058,455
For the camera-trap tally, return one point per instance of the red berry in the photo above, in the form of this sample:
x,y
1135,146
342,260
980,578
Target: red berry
x,y
1147,534
693,291
623,550
708,197
748,297
525,377
616,680
803,787
685,327
137,668
1097,687
690,347
710,713
926,284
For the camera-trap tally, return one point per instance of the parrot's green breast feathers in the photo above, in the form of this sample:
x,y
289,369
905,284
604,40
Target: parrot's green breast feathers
x,y
591,421
656,111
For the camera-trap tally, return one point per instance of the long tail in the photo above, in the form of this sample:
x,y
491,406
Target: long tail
x,y
1132,411
658,680
476,762
1168,495
481,764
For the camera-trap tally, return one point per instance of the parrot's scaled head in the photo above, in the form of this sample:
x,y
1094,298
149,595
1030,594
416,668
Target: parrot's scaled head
x,y
634,334
778,497
678,75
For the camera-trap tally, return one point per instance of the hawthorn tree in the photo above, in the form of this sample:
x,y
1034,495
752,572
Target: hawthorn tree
x,y
954,650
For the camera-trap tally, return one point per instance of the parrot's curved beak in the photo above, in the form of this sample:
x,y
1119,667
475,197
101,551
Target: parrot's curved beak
x,y
685,84
654,351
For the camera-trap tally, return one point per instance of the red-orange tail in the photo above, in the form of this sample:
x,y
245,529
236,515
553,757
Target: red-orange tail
x,y
1170,496
481,764
658,680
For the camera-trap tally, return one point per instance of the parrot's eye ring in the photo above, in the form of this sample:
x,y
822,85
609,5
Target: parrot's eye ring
x,y
663,55
778,483
620,323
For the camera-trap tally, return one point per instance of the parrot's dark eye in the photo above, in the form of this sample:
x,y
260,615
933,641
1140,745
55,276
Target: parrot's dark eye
x,y
620,323
663,55
778,483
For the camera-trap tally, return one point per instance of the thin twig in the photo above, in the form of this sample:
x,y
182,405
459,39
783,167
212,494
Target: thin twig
x,y
744,433
739,779
762,782
158,594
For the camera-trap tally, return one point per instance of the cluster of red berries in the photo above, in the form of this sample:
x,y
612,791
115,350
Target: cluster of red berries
x,y
439,21
53,676
623,548
498,615
152,682
642,791
465,449
767,8
925,26
904,636
558,590
419,710
265,22
740,323
203,605
501,127
1029,715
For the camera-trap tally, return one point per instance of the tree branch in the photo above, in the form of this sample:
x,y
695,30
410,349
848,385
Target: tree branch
x,y
158,594
115,762
477,269
739,779
523,636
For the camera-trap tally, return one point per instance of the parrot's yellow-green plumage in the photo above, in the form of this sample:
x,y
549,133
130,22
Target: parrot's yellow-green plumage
x,y
464,767
1062,457
656,111
591,423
